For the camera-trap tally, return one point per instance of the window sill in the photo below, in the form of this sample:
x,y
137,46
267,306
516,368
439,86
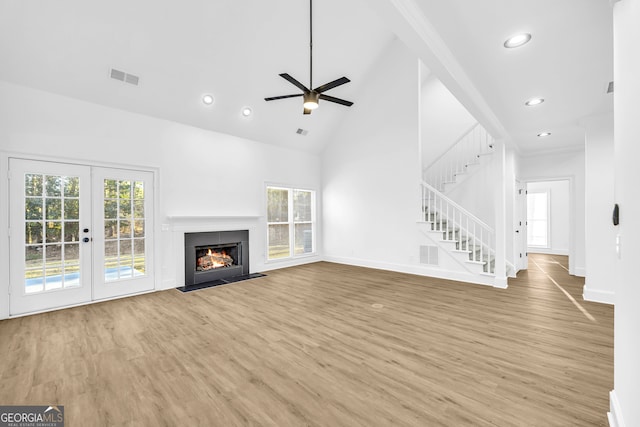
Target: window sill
x,y
293,258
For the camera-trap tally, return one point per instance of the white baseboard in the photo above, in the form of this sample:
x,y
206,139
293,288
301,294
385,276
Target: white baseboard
x,y
580,272
501,282
275,265
415,269
615,413
595,295
168,284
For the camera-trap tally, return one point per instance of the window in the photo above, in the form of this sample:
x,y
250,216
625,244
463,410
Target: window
x,y
290,222
538,219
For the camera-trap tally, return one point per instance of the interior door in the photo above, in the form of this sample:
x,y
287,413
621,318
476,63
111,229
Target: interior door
x,y
50,235
123,241
520,226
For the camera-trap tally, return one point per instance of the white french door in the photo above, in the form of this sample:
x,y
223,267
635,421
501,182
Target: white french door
x,y
50,209
123,238
77,234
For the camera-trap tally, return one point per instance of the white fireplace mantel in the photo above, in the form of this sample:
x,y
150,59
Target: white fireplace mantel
x,y
207,217
187,223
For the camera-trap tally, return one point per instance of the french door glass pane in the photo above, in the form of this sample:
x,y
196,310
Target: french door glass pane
x,y
51,232
124,233
278,241
139,264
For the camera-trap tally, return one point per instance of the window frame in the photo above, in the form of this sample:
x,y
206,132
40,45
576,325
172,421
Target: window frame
x,y
291,222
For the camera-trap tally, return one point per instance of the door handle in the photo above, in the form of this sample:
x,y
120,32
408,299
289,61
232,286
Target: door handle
x,y
86,240
86,230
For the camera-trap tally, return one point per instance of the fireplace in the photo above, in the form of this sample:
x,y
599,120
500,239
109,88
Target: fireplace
x,y
215,256
210,257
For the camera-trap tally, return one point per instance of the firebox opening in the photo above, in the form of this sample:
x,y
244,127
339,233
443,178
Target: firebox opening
x,y
212,257
229,256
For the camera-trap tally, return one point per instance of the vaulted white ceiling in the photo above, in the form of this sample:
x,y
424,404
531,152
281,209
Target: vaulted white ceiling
x,y
181,50
568,62
236,49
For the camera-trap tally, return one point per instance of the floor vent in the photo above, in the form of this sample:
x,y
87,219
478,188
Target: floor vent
x,y
429,255
124,77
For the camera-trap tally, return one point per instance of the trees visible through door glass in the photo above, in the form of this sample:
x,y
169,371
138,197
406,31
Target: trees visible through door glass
x,y
51,215
124,232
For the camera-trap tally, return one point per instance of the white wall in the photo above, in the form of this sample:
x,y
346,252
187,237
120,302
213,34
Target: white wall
x,y
626,394
559,196
443,119
475,191
600,237
190,161
371,171
558,166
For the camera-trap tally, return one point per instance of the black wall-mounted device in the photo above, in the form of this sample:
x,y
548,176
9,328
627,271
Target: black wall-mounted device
x,y
616,215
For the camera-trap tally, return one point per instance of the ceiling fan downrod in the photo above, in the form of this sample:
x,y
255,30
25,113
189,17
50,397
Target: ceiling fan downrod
x,y
312,95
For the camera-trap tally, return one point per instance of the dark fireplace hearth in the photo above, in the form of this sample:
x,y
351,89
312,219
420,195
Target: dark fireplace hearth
x,y
215,256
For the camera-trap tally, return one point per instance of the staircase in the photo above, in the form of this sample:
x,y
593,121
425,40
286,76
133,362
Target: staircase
x,y
458,231
460,159
465,237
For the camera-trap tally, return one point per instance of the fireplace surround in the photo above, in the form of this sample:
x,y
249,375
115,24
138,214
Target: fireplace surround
x,y
215,255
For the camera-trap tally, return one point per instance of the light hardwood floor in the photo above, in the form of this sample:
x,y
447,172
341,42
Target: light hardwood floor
x,y
305,346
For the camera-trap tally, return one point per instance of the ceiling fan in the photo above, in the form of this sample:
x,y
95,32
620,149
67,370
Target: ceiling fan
x,y
312,96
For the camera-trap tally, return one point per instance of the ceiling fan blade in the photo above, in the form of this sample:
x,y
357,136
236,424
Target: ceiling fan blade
x,y
336,100
273,98
294,82
307,111
331,85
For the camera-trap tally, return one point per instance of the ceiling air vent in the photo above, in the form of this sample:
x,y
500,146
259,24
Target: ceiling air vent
x,y
610,87
124,77
131,79
302,132
118,75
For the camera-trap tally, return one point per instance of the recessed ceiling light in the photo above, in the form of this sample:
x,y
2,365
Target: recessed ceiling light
x,y
517,40
207,99
534,101
246,111
543,134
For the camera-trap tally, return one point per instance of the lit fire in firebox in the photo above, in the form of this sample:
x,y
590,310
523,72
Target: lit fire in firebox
x,y
213,260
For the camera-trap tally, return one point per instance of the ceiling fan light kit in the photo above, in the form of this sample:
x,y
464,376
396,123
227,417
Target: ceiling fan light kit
x,y
311,100
311,96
